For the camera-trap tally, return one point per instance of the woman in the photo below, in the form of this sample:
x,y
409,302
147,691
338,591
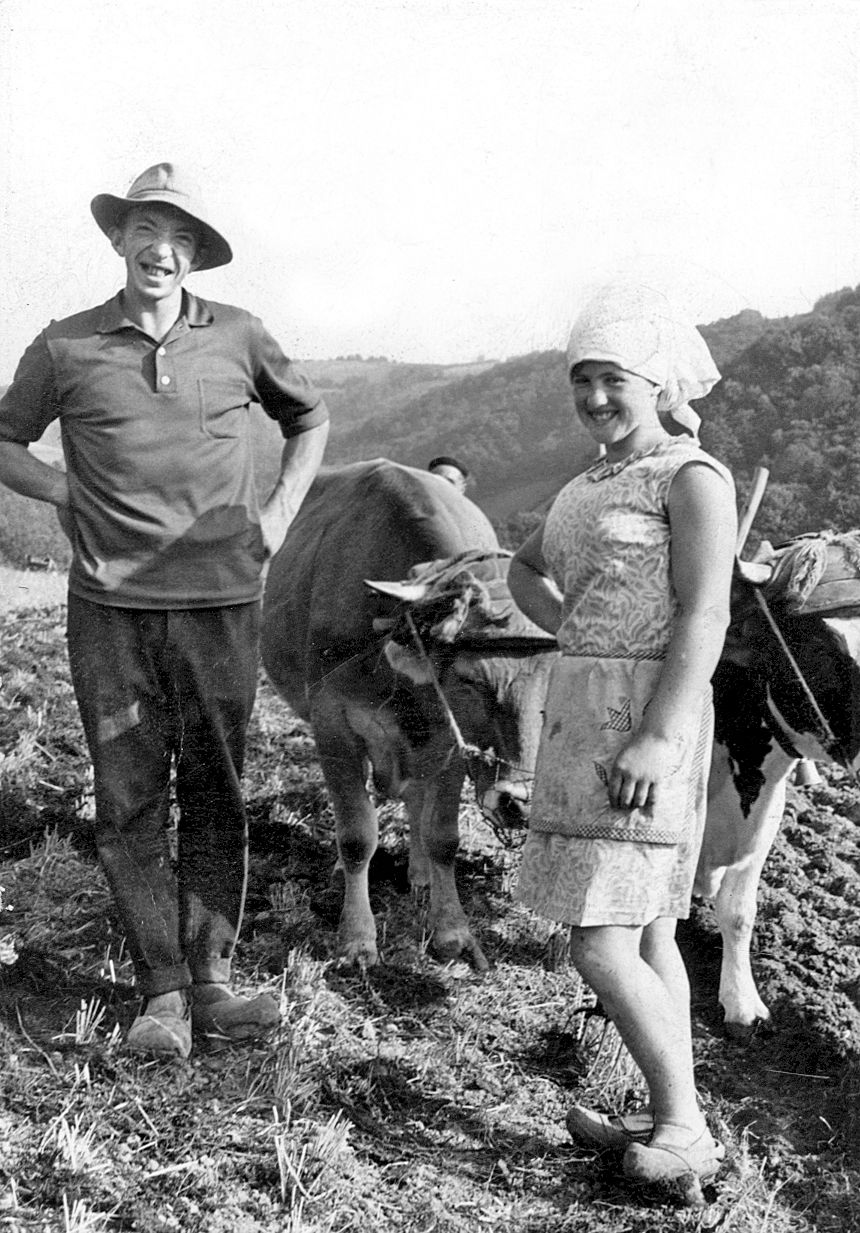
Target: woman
x,y
631,571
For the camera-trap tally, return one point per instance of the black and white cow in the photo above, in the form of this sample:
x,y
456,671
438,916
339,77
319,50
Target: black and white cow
x,y
787,687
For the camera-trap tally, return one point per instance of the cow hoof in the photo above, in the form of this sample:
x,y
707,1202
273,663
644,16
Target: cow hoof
x,y
357,955
459,948
743,1033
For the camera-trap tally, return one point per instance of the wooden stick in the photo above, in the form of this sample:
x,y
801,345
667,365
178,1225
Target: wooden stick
x,y
759,483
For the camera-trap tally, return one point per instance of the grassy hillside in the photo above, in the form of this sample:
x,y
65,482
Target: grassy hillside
x,y
358,389
789,400
512,425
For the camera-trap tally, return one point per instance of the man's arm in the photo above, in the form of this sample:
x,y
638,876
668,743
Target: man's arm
x,y
300,461
26,409
27,475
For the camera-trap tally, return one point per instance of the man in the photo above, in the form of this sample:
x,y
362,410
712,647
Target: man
x,y
153,392
451,470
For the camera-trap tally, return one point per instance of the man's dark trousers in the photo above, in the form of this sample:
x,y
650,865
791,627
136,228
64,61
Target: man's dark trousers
x,y
157,689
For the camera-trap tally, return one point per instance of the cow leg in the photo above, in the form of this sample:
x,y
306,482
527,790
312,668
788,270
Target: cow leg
x,y
733,854
415,795
357,832
434,810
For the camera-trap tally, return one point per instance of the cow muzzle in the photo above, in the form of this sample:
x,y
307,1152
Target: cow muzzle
x,y
506,804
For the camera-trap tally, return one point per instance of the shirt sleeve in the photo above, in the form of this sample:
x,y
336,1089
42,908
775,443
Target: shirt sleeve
x,y
284,391
30,404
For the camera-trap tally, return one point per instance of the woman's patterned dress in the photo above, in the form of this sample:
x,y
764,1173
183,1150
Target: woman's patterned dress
x,y
606,542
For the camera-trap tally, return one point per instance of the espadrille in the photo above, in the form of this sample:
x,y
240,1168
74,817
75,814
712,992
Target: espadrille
x,y
162,1029
606,1130
220,1014
667,1161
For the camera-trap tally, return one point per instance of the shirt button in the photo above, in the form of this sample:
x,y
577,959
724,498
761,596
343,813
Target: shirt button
x,y
165,381
162,351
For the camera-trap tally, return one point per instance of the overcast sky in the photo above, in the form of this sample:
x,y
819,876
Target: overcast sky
x,y
438,179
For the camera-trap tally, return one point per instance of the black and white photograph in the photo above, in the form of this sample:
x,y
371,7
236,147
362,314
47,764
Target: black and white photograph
x,y
429,616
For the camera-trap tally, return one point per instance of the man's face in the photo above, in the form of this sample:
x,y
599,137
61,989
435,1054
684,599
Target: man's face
x,y
159,245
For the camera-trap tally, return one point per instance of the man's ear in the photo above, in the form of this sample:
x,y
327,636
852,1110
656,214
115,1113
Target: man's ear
x,y
199,255
117,240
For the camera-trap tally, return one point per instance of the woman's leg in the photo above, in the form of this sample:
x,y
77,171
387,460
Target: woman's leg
x,y
636,975
660,951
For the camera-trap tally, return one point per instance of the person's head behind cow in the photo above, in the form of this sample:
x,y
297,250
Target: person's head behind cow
x,y
448,468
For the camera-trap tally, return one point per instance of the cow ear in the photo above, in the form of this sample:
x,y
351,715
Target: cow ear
x,y
406,592
407,663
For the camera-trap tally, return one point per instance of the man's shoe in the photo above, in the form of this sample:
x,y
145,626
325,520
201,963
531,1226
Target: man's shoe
x,y
222,1015
604,1131
163,1028
668,1161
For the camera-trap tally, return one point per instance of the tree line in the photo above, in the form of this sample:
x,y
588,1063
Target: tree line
x,y
789,400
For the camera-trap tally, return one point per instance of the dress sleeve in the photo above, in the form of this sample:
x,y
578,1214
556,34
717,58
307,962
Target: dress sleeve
x,y
31,402
284,391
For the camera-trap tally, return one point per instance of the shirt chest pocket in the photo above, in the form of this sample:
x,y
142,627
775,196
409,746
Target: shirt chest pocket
x,y
223,407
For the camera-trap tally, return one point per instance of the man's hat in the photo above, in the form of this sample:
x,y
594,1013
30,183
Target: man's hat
x,y
166,184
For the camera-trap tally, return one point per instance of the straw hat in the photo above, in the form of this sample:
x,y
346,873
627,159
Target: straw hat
x,y
166,184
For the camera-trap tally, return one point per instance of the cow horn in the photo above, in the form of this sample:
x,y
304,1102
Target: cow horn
x,y
753,571
406,592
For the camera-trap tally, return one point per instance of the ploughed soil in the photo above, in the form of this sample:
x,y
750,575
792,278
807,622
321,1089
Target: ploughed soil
x,y
415,1096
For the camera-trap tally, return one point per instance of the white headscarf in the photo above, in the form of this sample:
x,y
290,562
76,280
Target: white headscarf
x,y
638,329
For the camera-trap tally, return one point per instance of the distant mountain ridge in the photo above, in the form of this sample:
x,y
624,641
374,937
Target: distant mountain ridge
x,y
511,423
789,400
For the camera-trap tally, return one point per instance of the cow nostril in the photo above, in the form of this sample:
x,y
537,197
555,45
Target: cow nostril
x,y
504,809
514,813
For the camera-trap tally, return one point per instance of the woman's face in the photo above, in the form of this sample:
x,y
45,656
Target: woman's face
x,y
618,408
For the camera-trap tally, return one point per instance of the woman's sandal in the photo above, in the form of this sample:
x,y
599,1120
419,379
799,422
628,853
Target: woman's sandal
x,y
644,1162
603,1131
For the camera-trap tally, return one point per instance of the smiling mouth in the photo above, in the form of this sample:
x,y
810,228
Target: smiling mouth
x,y
155,271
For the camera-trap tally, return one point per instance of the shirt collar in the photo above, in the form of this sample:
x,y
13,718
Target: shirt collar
x,y
195,312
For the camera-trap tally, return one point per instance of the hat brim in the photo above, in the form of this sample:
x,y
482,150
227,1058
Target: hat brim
x,y
110,212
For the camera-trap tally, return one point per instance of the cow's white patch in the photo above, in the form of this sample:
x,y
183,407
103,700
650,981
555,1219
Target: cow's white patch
x,y
113,726
806,743
846,630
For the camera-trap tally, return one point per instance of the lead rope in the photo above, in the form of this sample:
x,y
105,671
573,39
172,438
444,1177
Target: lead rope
x,y
463,749
825,730
467,752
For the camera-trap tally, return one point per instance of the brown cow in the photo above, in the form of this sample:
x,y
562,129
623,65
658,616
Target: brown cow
x,y
457,674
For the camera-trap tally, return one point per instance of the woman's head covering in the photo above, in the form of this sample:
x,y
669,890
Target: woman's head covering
x,y
639,329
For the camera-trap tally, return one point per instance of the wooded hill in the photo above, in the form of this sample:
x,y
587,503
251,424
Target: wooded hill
x,y
789,400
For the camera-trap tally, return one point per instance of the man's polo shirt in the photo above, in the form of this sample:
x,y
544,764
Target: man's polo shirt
x,y
158,447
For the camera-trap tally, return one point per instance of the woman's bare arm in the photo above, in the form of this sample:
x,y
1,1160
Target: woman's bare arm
x,y
534,591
